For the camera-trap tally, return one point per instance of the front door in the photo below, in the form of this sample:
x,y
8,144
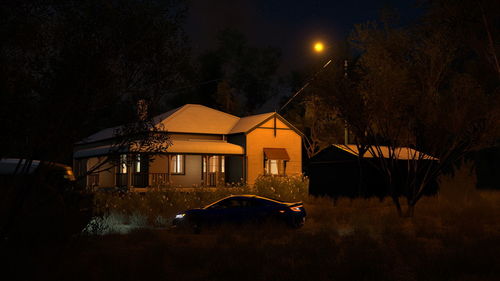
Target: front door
x,y
213,170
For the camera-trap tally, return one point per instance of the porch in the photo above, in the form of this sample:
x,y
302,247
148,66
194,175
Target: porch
x,y
172,170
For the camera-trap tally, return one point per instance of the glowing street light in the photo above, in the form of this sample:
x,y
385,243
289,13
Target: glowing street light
x,y
319,47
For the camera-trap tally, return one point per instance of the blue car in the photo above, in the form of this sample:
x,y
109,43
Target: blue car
x,y
240,209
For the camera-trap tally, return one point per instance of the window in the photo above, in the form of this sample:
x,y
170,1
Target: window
x,y
216,163
275,161
138,163
123,164
274,167
177,164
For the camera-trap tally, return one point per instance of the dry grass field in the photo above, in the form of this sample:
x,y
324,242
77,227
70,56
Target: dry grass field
x,y
454,236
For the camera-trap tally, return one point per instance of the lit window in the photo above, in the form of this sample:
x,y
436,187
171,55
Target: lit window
x,y
275,161
222,164
177,164
274,167
213,164
138,164
123,163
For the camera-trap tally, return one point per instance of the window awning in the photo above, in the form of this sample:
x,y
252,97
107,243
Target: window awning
x,y
204,147
276,154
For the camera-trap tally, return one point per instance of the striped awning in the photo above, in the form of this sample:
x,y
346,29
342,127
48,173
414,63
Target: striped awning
x,y
276,154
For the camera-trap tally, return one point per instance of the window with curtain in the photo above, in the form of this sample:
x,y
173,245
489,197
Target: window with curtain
x,y
177,164
274,167
138,163
275,161
123,164
216,163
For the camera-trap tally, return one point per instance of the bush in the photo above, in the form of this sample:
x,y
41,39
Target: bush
x,y
290,188
159,205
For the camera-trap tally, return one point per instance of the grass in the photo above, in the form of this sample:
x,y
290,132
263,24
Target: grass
x,y
454,236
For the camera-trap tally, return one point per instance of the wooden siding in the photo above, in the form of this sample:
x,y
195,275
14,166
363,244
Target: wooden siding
x,y
265,136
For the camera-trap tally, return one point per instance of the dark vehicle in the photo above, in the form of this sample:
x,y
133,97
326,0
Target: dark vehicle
x,y
240,209
40,199
13,168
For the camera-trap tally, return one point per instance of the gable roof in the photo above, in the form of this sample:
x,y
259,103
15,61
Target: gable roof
x,y
198,119
195,118
245,124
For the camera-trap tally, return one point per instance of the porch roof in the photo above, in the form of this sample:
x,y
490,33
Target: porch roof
x,y
99,151
205,147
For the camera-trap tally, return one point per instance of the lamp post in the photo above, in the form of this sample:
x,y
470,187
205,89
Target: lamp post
x,y
319,47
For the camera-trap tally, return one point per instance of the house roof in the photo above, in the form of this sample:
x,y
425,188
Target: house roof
x,y
197,119
99,151
400,153
245,124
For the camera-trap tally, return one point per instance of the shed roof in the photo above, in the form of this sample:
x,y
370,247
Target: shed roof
x,y
400,153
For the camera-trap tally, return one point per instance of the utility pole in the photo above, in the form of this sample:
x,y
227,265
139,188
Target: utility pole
x,y
346,127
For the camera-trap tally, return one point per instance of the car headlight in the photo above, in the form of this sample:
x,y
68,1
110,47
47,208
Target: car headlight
x,y
180,216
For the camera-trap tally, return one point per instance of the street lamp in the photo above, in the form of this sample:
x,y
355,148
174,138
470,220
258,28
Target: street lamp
x,y
319,48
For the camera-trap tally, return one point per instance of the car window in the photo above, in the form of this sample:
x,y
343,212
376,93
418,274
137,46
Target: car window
x,y
263,202
227,203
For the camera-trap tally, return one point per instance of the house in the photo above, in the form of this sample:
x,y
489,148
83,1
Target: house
x,y
209,148
338,171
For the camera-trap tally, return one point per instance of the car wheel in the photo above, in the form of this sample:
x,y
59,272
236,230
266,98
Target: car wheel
x,y
196,228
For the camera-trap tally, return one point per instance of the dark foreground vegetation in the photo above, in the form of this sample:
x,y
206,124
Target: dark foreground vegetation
x,y
454,236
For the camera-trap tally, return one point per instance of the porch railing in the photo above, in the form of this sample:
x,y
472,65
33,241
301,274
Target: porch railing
x,y
140,179
158,179
162,179
121,180
93,180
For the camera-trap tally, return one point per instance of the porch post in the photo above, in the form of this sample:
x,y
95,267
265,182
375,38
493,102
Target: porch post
x,y
217,171
243,167
204,165
168,170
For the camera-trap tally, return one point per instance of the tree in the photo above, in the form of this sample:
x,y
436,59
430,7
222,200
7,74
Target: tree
x,y
73,67
226,99
250,71
420,87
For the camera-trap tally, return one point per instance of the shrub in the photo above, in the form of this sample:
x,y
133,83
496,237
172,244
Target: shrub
x,y
290,188
159,205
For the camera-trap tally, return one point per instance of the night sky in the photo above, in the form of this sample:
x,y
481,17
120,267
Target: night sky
x,y
291,25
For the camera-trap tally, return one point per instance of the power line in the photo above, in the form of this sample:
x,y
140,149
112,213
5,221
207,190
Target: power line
x,y
306,84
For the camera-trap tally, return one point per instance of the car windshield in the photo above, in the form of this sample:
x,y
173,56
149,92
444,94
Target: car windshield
x,y
239,202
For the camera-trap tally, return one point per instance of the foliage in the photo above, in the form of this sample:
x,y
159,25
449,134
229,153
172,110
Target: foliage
x,y
247,74
159,205
360,239
73,67
422,87
290,188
